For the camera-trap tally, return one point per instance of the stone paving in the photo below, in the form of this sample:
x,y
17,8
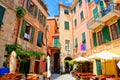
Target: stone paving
x,y
61,77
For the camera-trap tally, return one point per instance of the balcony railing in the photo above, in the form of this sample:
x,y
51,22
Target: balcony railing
x,y
112,7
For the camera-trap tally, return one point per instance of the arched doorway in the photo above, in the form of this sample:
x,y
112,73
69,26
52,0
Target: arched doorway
x,y
67,66
57,62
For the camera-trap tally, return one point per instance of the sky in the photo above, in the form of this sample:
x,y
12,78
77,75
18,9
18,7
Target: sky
x,y
53,6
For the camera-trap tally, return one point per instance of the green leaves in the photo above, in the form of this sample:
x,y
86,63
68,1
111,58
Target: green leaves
x,y
20,12
22,53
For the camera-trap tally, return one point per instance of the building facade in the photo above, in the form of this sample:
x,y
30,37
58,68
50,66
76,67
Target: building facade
x,y
32,32
53,44
8,21
66,36
28,31
105,25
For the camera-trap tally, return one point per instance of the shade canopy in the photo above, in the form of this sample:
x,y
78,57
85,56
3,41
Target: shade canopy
x,y
13,62
104,55
80,59
48,66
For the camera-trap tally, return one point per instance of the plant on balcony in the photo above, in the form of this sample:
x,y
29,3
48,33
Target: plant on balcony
x,y
20,12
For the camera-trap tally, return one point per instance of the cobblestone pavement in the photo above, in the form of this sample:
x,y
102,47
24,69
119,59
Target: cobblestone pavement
x,y
62,77
65,77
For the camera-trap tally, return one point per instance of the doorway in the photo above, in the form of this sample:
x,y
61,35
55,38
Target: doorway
x,y
56,62
68,68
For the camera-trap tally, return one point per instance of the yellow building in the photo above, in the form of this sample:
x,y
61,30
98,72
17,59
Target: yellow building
x,y
66,38
105,33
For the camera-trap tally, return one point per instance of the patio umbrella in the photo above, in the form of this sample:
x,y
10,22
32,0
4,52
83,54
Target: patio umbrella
x,y
105,55
48,67
13,62
80,59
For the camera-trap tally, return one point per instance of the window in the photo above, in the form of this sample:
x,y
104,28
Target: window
x,y
40,39
95,39
83,37
80,2
89,1
95,13
75,22
81,15
2,11
114,31
101,5
27,31
56,42
66,24
76,43
32,8
66,11
42,18
74,10
47,27
106,34
100,37
67,45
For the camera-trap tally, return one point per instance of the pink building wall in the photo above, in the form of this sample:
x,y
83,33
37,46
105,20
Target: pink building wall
x,y
81,25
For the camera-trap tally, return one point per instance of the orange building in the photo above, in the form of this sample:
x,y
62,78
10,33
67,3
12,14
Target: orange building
x,y
31,34
53,44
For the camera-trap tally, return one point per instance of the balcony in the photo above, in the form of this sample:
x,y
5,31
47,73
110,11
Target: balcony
x,y
111,46
104,15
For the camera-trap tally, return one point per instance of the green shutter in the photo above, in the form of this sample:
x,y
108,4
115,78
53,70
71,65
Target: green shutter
x,y
40,38
101,5
76,43
66,25
32,35
28,5
99,67
35,11
89,1
23,29
2,11
74,9
95,39
118,26
56,42
106,34
95,13
44,21
40,16
83,37
80,2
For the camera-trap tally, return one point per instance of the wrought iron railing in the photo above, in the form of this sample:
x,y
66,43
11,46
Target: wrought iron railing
x,y
105,11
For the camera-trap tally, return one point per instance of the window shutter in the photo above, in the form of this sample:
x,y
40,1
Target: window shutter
x,y
118,25
40,38
35,11
28,5
32,35
80,2
23,29
95,39
40,16
101,5
83,37
95,13
2,11
76,43
89,1
66,25
44,21
106,34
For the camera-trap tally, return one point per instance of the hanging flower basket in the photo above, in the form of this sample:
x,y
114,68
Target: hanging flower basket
x,y
20,12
